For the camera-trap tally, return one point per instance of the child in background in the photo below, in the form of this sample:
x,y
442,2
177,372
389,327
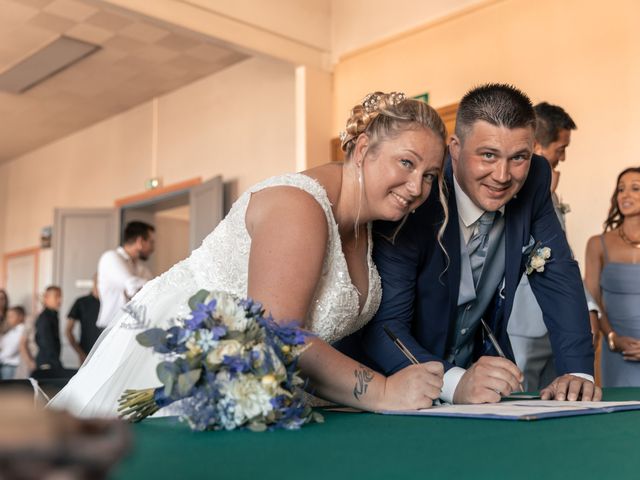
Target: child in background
x,y
10,343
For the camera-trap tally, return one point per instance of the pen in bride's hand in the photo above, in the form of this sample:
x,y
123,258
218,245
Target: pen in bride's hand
x,y
494,342
398,343
407,353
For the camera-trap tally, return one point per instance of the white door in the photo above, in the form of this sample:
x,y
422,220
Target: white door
x,y
81,236
22,280
206,203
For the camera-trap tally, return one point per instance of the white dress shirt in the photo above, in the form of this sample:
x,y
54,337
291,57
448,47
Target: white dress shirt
x,y
119,279
10,346
468,215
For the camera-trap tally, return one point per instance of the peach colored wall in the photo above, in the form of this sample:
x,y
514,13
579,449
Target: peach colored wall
x,y
228,124
583,55
313,117
358,23
238,123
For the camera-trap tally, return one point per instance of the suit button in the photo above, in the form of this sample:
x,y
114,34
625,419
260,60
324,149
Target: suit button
x,y
463,331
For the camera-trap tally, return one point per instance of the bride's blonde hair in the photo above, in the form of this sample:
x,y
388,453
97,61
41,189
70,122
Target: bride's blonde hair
x,y
383,115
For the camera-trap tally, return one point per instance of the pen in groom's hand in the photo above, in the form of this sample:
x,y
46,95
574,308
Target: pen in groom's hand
x,y
495,344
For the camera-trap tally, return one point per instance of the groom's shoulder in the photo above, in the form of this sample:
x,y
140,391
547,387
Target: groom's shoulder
x,y
538,179
539,171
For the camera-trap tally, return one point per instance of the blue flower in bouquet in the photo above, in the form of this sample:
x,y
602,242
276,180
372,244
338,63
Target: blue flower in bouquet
x,y
237,364
229,364
254,309
202,312
290,334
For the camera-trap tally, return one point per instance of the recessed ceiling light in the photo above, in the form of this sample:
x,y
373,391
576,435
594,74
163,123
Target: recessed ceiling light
x,y
46,62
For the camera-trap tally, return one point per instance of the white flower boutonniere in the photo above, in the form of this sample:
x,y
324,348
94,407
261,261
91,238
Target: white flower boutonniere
x,y
538,258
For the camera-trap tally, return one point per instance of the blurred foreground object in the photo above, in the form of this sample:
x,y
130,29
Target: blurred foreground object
x,y
45,444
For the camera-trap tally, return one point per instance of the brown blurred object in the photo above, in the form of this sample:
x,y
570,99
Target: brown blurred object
x,y
43,444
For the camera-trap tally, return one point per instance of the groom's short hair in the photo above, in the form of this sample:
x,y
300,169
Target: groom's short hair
x,y
499,104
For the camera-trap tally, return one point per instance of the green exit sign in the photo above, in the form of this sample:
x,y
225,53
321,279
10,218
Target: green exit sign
x,y
423,97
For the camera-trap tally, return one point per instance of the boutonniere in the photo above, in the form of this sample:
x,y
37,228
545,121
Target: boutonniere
x,y
538,258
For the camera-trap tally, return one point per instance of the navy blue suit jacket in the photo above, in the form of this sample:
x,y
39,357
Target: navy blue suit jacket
x,y
420,282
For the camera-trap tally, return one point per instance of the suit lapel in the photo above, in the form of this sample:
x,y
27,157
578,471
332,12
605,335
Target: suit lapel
x,y
514,240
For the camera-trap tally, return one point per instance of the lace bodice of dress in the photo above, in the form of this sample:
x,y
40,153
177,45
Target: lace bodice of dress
x,y
221,263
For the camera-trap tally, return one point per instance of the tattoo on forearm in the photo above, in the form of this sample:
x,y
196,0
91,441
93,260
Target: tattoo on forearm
x,y
363,377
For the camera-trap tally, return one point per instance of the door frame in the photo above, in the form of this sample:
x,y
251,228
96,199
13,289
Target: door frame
x,y
35,251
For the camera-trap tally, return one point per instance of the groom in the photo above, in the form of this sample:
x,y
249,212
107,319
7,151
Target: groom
x,y
500,218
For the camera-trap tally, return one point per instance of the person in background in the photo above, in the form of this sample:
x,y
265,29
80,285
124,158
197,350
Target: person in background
x,y
48,331
10,343
27,347
84,311
528,334
612,276
4,307
122,272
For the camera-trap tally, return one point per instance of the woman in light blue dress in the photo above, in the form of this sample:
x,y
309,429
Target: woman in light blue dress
x,y
613,278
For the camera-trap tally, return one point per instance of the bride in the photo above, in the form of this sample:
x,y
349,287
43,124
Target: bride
x,y
300,244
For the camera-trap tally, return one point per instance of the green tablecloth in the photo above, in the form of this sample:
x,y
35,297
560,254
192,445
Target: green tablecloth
x,y
367,446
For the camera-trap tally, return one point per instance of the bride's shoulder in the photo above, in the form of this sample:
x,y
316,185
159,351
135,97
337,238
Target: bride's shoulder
x,y
287,208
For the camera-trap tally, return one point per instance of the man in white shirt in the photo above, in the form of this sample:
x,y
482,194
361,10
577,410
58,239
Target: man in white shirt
x,y
122,272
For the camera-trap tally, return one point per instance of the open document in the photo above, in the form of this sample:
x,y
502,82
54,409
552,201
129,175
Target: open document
x,y
521,409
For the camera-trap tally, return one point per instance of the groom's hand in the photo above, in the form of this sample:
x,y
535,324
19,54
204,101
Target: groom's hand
x,y
488,380
572,388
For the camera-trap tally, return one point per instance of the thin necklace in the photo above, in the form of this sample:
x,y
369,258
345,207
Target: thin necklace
x,y
626,239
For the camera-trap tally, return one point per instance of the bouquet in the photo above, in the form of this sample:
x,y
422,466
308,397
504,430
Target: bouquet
x,y
229,365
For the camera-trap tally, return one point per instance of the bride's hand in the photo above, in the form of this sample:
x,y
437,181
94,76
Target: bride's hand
x,y
413,387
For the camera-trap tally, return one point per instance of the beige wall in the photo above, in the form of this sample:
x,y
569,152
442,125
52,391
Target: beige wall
x,y
313,117
358,23
583,55
238,123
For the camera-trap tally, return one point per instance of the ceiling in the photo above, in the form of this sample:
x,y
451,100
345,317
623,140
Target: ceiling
x,y
138,60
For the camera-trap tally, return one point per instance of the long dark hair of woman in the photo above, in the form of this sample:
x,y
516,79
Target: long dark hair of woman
x,y
4,307
615,218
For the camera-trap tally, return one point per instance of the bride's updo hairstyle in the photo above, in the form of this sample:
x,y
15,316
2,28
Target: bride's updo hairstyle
x,y
385,115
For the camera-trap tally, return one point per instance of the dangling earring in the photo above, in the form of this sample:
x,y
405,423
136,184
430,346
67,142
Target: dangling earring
x,y
356,225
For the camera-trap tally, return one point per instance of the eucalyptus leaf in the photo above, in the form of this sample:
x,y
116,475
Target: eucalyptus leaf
x,y
187,380
168,374
198,298
152,337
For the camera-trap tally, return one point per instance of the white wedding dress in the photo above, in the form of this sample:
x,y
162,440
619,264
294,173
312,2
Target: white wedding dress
x,y
117,362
